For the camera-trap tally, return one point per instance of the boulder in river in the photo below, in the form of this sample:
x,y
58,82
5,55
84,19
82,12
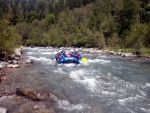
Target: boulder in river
x,y
3,110
29,61
32,94
28,93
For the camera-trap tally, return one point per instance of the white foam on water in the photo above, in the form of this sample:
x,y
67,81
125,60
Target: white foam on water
x,y
65,104
125,101
69,65
59,70
42,52
108,93
80,77
47,53
147,84
31,53
39,59
84,63
145,110
102,61
102,56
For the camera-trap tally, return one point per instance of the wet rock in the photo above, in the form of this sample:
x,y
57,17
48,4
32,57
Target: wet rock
x,y
1,59
10,61
127,55
29,61
17,58
24,107
15,62
4,79
16,66
36,107
11,57
3,64
3,110
43,96
32,94
13,66
47,111
18,52
28,93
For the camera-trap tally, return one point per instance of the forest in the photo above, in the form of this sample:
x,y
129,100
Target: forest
x,y
111,24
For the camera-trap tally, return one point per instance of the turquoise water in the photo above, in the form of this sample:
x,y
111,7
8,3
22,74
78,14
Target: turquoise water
x,y
104,84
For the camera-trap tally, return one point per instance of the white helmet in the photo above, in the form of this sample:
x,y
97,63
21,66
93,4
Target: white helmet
x,y
76,50
60,51
71,50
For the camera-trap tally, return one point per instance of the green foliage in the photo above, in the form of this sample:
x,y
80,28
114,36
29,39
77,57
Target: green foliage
x,y
146,14
138,36
8,38
50,18
86,23
115,41
32,16
23,29
126,15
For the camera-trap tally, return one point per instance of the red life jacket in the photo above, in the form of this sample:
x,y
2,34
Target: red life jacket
x,y
76,54
58,56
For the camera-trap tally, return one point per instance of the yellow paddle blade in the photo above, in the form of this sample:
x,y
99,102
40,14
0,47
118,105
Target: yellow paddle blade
x,y
84,59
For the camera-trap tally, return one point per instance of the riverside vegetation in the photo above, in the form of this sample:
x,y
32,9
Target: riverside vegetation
x,y
114,24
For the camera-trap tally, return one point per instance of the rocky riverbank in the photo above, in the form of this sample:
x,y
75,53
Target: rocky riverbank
x,y
106,51
18,94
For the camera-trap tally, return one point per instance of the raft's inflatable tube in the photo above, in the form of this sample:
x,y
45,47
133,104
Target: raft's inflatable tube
x,y
69,59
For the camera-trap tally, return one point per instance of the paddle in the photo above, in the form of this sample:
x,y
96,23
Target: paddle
x,y
84,59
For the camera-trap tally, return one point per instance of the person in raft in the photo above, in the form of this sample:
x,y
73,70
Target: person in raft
x,y
71,53
58,55
61,53
77,54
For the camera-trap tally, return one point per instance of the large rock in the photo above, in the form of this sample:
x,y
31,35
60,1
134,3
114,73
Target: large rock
x,y
127,54
28,93
18,54
3,64
13,66
29,61
32,94
3,110
15,62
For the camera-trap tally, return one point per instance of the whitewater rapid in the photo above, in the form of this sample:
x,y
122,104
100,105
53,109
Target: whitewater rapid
x,y
104,84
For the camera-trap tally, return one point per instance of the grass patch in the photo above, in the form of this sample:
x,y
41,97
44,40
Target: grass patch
x,y
145,50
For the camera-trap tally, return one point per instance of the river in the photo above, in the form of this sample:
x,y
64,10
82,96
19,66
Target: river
x,y
103,84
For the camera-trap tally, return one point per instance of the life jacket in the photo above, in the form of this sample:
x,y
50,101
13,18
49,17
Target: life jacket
x,y
76,55
70,54
58,56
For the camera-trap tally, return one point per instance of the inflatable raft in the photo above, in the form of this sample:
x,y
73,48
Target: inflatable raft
x,y
67,59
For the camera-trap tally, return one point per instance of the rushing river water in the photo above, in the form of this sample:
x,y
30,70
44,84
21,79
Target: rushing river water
x,y
104,84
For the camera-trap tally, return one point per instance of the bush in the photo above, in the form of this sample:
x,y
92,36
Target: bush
x,y
8,38
138,36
